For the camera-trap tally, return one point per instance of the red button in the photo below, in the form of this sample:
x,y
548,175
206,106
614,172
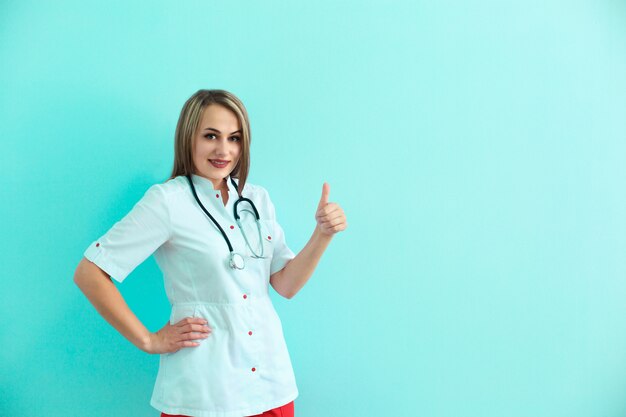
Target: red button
x,y
245,296
97,244
250,333
217,195
269,237
253,369
232,227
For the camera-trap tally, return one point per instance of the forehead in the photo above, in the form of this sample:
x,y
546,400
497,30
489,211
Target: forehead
x,y
219,117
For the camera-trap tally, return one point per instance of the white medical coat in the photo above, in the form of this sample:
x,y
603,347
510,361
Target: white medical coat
x,y
243,367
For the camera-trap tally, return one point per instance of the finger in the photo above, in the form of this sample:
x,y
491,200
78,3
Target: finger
x,y
331,229
193,336
186,341
195,328
328,209
325,193
332,224
187,344
334,219
187,320
332,215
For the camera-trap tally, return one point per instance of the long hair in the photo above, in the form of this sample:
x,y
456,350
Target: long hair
x,y
188,124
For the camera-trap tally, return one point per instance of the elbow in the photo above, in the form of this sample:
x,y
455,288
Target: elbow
x,y
80,279
290,292
86,272
285,292
82,271
280,286
79,274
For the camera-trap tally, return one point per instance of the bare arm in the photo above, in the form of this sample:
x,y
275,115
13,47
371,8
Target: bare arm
x,y
106,298
289,280
330,220
104,295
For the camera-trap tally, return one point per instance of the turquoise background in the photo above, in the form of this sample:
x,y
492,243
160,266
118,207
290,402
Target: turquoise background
x,y
478,149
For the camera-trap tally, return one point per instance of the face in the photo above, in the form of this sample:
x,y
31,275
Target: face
x,y
217,144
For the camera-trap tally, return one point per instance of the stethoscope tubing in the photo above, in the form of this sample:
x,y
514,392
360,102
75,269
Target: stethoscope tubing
x,y
233,262
193,190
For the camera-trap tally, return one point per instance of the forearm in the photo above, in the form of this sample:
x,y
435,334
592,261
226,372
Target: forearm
x,y
289,280
108,301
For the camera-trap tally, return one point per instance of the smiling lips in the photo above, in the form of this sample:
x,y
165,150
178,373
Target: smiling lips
x,y
219,163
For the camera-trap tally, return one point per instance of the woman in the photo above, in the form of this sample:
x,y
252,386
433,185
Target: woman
x,y
222,353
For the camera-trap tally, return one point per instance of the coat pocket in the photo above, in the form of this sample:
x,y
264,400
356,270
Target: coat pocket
x,y
179,312
259,245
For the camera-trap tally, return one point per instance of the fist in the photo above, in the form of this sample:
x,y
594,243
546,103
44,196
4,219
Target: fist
x,y
329,216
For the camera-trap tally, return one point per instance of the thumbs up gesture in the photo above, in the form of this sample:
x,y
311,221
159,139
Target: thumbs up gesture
x,y
329,216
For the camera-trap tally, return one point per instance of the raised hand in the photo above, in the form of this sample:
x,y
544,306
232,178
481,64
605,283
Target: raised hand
x,y
329,216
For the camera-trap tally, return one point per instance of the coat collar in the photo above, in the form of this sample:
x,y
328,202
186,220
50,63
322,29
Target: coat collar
x,y
207,185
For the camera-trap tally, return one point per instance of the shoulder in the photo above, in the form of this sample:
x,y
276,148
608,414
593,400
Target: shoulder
x,y
170,187
161,194
261,198
252,189
257,191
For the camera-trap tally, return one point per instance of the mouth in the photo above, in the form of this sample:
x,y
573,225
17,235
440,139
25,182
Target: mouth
x,y
219,163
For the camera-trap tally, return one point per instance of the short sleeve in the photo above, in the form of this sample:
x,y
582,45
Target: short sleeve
x,y
135,237
282,254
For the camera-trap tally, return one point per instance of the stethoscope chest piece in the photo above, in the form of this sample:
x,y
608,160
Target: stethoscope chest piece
x,y
236,261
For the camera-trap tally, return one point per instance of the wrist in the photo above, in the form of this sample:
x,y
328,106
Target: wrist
x,y
321,236
145,343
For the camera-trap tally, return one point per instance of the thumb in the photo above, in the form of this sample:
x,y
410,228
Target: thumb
x,y
325,193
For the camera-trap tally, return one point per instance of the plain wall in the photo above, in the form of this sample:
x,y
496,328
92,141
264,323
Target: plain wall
x,y
478,149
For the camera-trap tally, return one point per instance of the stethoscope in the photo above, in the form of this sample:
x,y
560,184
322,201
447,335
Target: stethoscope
x,y
235,260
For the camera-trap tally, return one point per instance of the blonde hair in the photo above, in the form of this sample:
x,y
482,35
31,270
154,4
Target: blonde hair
x,y
189,121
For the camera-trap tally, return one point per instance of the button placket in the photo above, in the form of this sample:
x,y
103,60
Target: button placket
x,y
252,369
253,342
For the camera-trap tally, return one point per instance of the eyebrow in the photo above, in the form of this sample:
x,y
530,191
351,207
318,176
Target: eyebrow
x,y
210,128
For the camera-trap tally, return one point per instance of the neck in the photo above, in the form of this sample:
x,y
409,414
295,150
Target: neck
x,y
220,185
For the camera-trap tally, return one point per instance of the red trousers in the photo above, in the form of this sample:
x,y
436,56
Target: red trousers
x,y
282,411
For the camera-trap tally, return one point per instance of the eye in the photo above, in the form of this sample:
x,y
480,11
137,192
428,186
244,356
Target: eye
x,y
208,134
235,138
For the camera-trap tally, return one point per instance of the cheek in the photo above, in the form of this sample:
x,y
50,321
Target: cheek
x,y
238,150
202,148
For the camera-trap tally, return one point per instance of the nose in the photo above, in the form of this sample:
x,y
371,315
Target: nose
x,y
222,147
